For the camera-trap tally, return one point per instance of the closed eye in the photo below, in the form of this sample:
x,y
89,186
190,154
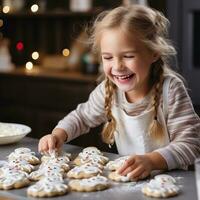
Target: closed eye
x,y
129,56
107,58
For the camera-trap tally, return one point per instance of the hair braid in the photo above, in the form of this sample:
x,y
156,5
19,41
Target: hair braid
x,y
156,128
109,128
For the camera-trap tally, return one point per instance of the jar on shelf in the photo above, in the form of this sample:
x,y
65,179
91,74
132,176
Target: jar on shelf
x,y
80,5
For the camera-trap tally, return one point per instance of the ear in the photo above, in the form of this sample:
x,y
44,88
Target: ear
x,y
155,56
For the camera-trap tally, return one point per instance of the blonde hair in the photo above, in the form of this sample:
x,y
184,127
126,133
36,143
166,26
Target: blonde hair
x,y
152,27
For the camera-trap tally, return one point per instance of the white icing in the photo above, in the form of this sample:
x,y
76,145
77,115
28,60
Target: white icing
x,y
85,169
8,129
21,165
165,178
10,176
58,160
94,164
162,189
93,181
47,170
117,177
84,157
91,150
23,153
117,163
48,185
22,150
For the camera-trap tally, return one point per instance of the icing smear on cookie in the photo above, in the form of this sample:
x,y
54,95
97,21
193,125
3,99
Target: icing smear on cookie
x,y
163,188
49,185
24,154
117,163
11,176
93,181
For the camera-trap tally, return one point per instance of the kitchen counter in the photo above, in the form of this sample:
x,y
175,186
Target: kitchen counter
x,y
118,191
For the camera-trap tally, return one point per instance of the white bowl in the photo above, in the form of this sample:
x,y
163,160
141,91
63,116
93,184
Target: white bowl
x,y
11,132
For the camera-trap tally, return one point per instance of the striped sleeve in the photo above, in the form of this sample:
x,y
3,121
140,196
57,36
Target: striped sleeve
x,y
87,115
184,128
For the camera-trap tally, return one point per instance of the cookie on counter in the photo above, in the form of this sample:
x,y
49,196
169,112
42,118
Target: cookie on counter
x,y
114,165
47,171
12,178
161,186
48,187
92,150
95,183
64,155
114,176
24,154
22,165
83,171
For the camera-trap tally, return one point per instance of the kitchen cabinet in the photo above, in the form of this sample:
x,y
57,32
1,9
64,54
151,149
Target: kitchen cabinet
x,y
41,98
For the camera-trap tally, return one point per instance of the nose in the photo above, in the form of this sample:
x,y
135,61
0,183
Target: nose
x,y
118,64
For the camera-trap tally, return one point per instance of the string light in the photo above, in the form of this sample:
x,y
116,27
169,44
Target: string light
x,y
29,66
35,55
34,8
65,52
20,46
6,9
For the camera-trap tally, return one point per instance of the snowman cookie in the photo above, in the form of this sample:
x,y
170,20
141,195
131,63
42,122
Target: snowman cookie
x,y
23,153
161,186
94,183
114,176
48,187
12,178
83,171
114,165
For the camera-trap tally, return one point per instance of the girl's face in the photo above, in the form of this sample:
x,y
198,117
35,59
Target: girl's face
x,y
127,62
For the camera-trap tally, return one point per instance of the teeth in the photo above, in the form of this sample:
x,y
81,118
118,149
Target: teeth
x,y
123,76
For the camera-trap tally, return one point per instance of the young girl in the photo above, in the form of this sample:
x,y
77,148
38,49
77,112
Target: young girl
x,y
145,106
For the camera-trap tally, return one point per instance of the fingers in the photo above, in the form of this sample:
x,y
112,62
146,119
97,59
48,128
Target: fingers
x,y
136,167
127,167
51,143
136,173
47,144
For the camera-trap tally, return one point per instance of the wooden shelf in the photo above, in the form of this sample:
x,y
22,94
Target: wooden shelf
x,y
27,14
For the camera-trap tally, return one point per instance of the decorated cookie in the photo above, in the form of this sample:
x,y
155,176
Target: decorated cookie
x,y
54,154
116,164
47,171
60,161
90,154
48,187
157,188
83,171
24,154
118,178
83,158
92,150
12,178
95,183
22,165
94,164
165,178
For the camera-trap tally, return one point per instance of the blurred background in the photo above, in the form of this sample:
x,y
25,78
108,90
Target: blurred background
x,y
47,68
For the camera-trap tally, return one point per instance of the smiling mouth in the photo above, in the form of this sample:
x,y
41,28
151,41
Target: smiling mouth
x,y
124,77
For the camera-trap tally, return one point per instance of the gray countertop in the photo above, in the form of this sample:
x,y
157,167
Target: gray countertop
x,y
117,191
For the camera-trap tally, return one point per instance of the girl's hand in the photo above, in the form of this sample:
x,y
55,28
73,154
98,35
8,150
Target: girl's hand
x,y
140,166
137,167
53,141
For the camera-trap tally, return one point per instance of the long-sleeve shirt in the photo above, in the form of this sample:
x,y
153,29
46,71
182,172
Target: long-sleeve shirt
x,y
182,122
